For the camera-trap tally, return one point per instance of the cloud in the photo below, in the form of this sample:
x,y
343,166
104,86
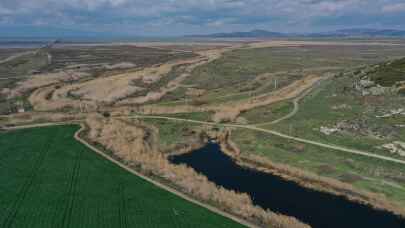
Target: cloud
x,y
196,15
394,8
5,11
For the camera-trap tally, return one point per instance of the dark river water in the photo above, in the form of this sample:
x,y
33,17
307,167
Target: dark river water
x,y
318,209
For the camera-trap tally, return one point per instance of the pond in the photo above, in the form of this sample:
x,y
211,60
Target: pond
x,y
318,209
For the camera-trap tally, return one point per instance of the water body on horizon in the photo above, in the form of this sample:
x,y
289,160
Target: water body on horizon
x,y
318,209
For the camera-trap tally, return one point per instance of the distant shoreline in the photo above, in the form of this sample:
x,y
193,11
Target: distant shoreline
x,y
30,43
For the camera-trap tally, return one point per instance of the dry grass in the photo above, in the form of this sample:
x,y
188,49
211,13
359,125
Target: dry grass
x,y
206,56
42,80
233,109
109,90
39,117
47,99
117,87
105,90
101,90
40,101
155,96
132,144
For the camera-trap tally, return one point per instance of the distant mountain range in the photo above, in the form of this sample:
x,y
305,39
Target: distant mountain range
x,y
251,34
338,33
364,33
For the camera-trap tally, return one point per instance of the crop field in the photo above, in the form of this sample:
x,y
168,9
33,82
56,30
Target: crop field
x,y
50,180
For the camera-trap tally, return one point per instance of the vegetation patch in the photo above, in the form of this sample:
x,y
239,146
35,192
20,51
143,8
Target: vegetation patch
x,y
388,74
236,67
268,113
171,133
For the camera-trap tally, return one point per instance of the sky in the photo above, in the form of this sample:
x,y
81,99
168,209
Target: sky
x,y
184,17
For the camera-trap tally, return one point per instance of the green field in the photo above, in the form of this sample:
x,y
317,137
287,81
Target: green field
x,y
48,179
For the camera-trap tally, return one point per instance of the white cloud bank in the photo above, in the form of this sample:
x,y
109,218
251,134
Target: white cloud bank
x,y
195,15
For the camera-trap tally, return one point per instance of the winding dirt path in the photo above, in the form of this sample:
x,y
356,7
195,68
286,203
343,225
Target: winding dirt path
x,y
296,106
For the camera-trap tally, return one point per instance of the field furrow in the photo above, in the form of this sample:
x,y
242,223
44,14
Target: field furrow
x,y
30,181
61,183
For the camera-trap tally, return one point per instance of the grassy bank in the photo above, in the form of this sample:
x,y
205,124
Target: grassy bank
x,y
363,173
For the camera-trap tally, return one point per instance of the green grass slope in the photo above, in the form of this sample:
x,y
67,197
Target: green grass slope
x,y
389,73
48,179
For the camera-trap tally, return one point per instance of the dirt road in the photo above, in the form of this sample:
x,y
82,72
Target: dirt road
x,y
255,128
296,106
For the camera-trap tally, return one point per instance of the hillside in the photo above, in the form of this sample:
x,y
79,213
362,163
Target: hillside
x,y
250,34
390,73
